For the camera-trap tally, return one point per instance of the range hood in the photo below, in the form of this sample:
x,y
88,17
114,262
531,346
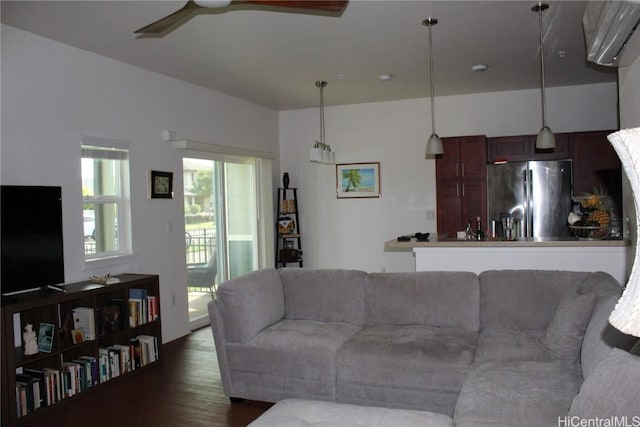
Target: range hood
x,y
609,27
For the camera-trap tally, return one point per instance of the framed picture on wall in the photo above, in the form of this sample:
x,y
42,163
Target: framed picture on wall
x,y
160,185
358,180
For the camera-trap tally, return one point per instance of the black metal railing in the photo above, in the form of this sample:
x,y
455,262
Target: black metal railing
x,y
200,245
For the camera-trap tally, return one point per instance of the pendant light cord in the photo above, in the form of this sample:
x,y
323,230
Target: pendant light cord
x,y
321,85
321,113
433,103
544,101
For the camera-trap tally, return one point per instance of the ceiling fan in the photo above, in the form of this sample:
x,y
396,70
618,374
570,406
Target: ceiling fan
x,y
193,7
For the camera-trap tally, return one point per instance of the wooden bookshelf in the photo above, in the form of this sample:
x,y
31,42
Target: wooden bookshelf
x,y
132,342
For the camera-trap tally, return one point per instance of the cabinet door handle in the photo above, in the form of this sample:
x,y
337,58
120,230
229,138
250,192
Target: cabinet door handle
x,y
462,189
462,169
457,190
457,169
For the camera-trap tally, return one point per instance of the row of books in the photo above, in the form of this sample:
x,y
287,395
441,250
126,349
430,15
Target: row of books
x,y
143,308
37,388
119,359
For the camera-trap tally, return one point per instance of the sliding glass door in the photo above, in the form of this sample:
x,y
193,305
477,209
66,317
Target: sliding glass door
x,y
221,225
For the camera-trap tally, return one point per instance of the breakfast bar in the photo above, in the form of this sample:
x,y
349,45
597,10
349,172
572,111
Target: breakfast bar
x,y
569,254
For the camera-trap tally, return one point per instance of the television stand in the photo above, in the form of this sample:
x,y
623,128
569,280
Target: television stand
x,y
52,289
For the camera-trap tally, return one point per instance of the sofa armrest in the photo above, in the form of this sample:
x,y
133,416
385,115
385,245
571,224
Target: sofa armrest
x,y
217,327
250,303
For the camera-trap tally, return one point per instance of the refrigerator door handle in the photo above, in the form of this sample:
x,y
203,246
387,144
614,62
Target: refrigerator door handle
x,y
525,205
530,205
527,220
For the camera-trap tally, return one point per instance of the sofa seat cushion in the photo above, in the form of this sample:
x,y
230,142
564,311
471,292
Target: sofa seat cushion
x,y
517,393
420,357
301,413
509,344
290,355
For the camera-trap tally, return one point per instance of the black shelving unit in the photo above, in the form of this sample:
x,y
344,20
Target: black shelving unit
x,y
288,241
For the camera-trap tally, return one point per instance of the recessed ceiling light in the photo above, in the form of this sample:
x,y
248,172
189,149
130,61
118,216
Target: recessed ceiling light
x,y
385,77
479,67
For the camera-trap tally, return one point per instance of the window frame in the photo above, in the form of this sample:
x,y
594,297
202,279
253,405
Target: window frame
x,y
122,200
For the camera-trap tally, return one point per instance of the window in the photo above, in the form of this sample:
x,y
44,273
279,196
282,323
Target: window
x,y
105,192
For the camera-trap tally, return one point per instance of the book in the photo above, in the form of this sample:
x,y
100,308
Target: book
x,y
39,375
148,349
109,319
32,389
83,318
55,384
122,306
21,398
134,312
135,346
95,371
86,373
139,296
104,365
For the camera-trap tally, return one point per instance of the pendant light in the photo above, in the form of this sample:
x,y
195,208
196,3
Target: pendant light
x,y
434,143
545,139
321,151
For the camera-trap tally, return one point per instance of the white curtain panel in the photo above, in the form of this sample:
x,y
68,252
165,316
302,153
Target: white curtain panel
x,y
626,315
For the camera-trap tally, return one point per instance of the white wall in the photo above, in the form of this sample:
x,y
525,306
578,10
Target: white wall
x,y
350,233
53,93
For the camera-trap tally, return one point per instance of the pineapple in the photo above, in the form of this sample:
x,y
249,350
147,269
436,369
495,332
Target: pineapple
x,y
600,205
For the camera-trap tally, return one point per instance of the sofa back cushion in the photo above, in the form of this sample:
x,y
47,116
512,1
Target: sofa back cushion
x,y
523,299
327,295
600,337
611,391
563,337
250,303
432,298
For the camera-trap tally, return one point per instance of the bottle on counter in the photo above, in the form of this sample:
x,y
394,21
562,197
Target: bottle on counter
x,y
479,232
470,234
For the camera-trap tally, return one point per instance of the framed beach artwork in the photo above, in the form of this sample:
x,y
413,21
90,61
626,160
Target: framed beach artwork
x,y
358,180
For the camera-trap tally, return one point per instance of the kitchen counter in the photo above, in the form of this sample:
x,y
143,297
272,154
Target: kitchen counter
x,y
569,242
542,254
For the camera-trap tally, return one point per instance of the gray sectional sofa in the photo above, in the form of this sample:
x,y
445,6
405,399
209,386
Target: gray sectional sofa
x,y
503,348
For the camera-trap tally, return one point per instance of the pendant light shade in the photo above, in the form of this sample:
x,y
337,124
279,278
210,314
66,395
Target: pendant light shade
x,y
434,143
321,152
434,146
545,139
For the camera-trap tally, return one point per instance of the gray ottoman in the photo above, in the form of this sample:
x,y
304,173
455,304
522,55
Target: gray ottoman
x,y
298,413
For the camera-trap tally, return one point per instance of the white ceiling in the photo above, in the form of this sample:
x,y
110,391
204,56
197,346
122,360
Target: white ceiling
x,y
275,58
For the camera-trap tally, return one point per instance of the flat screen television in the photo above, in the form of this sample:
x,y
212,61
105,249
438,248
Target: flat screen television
x,y
31,238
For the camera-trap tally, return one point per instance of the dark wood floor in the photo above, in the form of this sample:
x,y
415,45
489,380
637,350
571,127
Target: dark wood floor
x,y
184,390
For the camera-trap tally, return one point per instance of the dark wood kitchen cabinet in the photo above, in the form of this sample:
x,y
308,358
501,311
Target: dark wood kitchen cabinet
x,y
523,147
595,164
461,183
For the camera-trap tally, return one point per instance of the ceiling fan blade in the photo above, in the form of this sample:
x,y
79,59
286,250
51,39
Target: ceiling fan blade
x,y
162,24
323,5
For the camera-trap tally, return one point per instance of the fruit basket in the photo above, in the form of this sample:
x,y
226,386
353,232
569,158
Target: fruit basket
x,y
588,232
595,218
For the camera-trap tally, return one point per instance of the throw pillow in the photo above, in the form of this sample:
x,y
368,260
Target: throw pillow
x,y
611,391
564,334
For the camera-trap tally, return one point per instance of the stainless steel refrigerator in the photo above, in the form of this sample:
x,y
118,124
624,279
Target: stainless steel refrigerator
x,y
537,193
